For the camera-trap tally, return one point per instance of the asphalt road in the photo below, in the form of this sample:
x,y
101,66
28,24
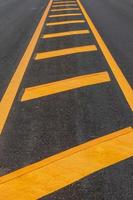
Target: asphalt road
x,y
42,127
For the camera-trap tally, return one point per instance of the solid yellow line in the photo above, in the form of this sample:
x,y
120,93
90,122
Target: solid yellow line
x,y
67,33
65,2
64,85
51,174
65,22
123,83
11,91
62,52
64,15
63,9
65,5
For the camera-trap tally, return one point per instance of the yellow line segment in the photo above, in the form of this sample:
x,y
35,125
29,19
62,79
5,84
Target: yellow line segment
x,y
64,85
67,33
11,91
65,168
65,5
64,15
63,52
64,2
65,22
123,83
63,9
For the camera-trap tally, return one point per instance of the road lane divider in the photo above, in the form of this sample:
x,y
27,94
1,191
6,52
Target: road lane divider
x,y
12,89
64,85
65,22
119,76
63,34
64,5
63,52
63,9
65,15
60,170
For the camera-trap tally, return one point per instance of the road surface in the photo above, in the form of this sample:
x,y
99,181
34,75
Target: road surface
x,y
66,80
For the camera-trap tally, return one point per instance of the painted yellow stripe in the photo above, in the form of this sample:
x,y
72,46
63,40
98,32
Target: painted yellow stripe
x,y
63,2
11,91
65,5
63,9
64,15
65,22
64,85
67,33
123,83
63,169
63,52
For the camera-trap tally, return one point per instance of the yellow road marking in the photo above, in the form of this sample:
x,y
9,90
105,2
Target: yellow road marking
x,y
65,22
62,52
65,5
63,9
67,33
123,83
11,91
51,174
64,85
65,2
64,15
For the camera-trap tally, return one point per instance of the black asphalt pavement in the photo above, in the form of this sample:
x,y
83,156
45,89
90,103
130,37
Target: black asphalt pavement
x,y
45,126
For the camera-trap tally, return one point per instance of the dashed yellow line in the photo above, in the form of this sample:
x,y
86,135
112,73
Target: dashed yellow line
x,y
65,15
12,89
63,2
64,85
62,52
67,33
64,5
119,76
65,22
63,9
63,169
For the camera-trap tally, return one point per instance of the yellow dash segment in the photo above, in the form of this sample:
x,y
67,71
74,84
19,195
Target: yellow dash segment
x,y
65,22
119,76
64,15
63,2
65,5
63,52
63,9
64,85
51,174
11,91
67,33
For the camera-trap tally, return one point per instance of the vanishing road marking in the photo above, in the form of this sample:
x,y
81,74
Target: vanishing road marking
x,y
119,76
67,51
11,91
65,22
51,174
64,85
67,33
64,15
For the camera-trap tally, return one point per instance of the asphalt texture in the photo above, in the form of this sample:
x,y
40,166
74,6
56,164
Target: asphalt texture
x,y
45,126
